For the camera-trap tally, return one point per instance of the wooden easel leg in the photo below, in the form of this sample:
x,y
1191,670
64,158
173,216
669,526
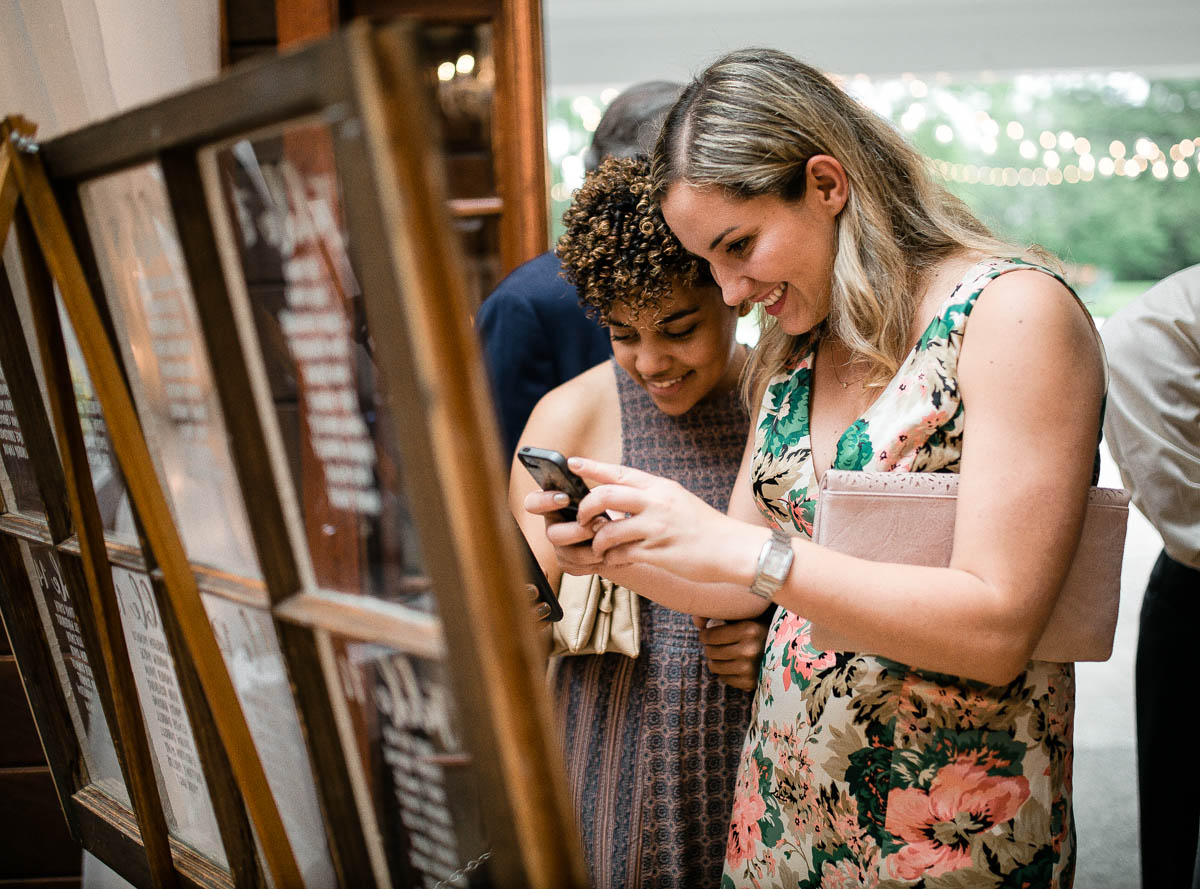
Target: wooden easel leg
x,y
146,491
129,732
9,192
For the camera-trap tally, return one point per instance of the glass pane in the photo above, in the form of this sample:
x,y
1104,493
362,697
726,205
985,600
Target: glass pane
x,y
154,313
280,201
247,640
423,789
16,278
181,783
17,478
107,479
55,605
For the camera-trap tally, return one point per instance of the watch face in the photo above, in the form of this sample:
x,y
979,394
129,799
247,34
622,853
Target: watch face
x,y
778,560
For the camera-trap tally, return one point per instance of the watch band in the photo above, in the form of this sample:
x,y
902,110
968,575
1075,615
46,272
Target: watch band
x,y
774,563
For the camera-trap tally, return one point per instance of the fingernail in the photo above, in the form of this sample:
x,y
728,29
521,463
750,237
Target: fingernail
x,y
574,462
561,498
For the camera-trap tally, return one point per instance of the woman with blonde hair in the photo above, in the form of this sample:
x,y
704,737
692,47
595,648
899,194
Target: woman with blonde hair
x,y
929,750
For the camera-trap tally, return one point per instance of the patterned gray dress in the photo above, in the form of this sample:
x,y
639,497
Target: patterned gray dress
x,y
652,743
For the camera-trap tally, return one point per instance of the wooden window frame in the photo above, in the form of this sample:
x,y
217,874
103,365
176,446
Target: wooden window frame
x,y
407,264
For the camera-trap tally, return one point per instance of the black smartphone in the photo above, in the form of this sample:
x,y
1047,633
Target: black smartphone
x,y
537,577
549,469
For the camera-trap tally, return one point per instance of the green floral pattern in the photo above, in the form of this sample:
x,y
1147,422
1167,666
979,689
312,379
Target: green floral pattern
x,y
859,771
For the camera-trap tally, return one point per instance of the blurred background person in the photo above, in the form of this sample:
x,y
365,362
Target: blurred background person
x,y
1153,432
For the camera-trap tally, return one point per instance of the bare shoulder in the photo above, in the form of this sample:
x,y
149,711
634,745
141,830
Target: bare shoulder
x,y
1028,295
1033,319
567,417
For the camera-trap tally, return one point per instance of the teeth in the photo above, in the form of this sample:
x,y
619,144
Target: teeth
x,y
774,296
666,384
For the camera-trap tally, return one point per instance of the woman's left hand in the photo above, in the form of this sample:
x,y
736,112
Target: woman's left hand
x,y
733,649
665,526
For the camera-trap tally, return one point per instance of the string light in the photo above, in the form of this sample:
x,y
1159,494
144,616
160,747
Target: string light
x,y
1148,157
1047,155
1084,167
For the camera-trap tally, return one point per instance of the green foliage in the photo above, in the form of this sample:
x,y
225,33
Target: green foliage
x,y
1128,229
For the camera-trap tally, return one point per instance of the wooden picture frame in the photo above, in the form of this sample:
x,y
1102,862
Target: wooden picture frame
x,y
338,417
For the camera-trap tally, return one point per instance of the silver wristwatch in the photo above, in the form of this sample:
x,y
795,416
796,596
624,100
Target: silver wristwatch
x,y
774,562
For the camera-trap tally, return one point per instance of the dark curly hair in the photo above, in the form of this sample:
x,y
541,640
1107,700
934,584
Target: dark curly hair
x,y
617,247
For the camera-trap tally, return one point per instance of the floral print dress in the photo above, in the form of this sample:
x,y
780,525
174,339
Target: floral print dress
x,y
861,771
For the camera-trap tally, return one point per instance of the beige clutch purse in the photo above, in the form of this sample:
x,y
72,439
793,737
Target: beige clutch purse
x,y
908,517
598,617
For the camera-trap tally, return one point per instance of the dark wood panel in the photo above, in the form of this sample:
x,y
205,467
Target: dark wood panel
x,y
250,21
46,694
34,840
430,10
19,742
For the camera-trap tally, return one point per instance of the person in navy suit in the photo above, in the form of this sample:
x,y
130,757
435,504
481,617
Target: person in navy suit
x,y
535,334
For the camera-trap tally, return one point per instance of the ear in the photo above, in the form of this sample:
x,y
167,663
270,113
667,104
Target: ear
x,y
827,182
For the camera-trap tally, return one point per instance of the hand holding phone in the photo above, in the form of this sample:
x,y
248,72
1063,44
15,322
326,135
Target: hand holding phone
x,y
547,607
549,469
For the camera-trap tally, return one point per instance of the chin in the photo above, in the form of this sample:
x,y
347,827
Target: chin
x,y
674,408
799,326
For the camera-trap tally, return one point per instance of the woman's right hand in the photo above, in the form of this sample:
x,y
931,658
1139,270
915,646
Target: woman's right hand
x,y
665,526
572,541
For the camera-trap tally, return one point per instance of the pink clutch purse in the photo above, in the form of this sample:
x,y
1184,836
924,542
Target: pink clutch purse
x,y
908,517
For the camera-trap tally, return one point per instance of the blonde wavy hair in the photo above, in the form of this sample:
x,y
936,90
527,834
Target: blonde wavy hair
x,y
749,124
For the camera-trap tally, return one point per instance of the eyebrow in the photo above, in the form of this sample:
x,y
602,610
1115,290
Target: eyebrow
x,y
674,316
717,240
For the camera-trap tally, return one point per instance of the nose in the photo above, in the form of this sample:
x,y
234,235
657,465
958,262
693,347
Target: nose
x,y
735,288
652,360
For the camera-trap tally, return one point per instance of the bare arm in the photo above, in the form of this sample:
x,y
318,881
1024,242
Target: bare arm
x,y
1031,381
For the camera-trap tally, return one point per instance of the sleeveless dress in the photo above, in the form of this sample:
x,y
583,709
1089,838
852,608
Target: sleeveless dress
x,y
861,771
652,743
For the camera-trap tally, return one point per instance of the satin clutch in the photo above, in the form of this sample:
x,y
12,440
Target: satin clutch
x,y
908,517
599,617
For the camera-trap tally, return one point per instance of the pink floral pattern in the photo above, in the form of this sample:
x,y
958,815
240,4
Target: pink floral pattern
x,y
939,825
859,771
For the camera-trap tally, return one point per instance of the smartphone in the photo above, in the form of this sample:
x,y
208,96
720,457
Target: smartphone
x,y
549,469
537,577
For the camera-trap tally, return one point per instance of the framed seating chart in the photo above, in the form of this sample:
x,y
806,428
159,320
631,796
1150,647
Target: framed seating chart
x,y
253,545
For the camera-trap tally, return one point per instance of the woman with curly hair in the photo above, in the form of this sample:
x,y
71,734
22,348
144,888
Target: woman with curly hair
x,y
928,749
651,742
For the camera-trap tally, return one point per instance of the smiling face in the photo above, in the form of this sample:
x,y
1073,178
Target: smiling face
x,y
681,352
766,250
